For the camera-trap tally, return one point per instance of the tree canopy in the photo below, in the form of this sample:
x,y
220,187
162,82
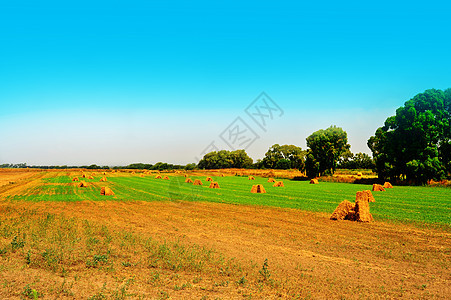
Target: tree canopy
x,y
326,147
284,157
416,142
360,160
225,159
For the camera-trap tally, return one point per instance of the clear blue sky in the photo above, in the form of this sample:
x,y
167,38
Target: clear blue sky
x,y
116,82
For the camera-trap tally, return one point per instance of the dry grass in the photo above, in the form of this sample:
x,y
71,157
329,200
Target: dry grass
x,y
189,250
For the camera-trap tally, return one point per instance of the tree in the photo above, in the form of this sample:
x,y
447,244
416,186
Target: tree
x,y
225,159
415,143
284,157
356,161
240,159
326,147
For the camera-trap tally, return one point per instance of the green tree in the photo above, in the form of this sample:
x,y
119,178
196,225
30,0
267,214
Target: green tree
x,y
415,143
225,159
284,157
356,161
326,147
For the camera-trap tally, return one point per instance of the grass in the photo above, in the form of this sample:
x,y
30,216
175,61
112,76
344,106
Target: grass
x,y
403,203
78,250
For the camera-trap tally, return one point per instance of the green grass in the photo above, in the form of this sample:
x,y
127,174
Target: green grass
x,y
417,204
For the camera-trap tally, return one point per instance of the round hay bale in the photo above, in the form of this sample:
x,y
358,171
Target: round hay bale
x,y
314,181
258,189
75,179
271,180
251,178
387,185
378,188
188,180
214,185
197,182
342,210
278,184
106,191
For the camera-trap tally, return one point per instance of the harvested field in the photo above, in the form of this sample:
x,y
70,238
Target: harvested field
x,y
139,243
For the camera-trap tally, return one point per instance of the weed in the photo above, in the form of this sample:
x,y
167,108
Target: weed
x,y
265,271
242,281
30,293
17,242
163,295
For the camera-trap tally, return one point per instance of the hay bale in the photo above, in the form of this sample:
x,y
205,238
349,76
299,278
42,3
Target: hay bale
x,y
75,179
90,177
258,188
142,175
165,178
188,180
222,175
103,178
387,185
104,173
362,211
278,184
209,179
342,210
214,185
197,182
82,184
271,180
359,174
158,177
314,181
186,175
251,178
104,190
83,175
351,216
378,188
365,196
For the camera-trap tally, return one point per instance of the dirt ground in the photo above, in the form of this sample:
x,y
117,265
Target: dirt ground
x,y
403,260
329,258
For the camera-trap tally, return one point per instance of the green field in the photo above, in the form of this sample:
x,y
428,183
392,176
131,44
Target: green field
x,y
417,204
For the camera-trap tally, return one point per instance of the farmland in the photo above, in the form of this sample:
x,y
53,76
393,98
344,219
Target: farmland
x,y
160,238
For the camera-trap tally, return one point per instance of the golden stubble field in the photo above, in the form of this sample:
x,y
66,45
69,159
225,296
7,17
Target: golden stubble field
x,y
200,250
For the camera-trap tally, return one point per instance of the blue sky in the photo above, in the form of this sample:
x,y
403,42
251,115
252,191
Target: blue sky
x,y
117,82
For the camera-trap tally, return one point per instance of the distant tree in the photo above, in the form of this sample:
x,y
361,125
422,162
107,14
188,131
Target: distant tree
x,y
190,166
416,142
356,161
240,159
284,157
225,159
283,164
140,166
326,147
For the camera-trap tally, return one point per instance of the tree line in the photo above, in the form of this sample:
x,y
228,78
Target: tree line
x,y
414,145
